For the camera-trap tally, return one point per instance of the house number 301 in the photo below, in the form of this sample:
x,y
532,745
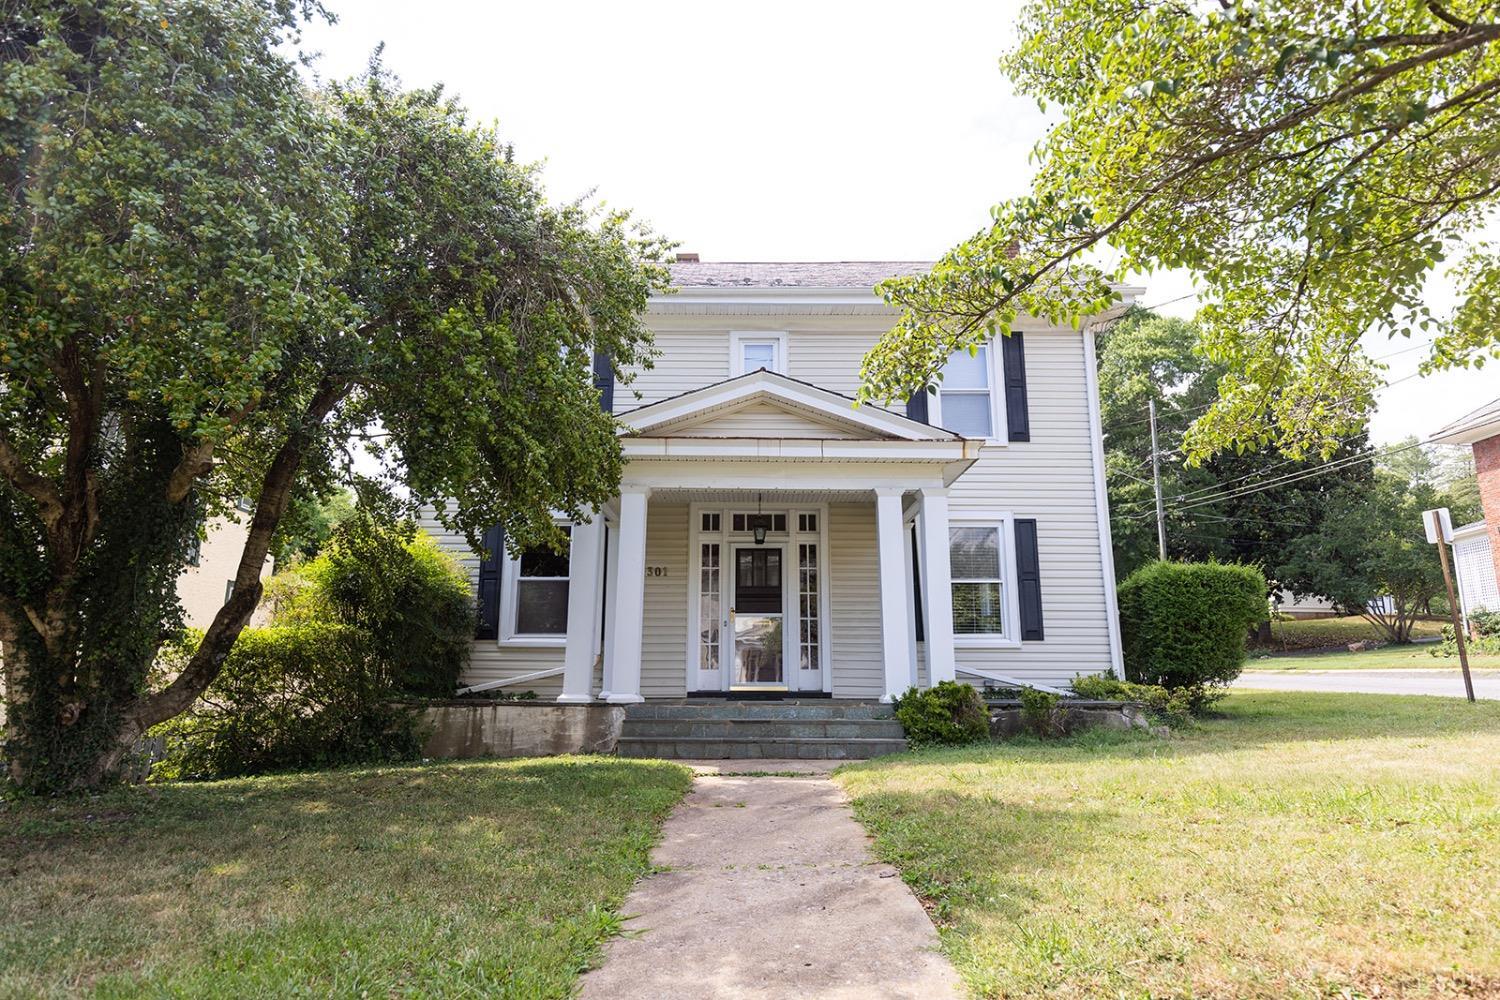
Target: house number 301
x,y
656,571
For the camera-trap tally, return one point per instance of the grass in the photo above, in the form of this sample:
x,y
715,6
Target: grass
x,y
1386,658
1320,633
1303,845
494,878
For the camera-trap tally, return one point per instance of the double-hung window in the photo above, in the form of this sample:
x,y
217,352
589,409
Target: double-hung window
x,y
966,395
751,352
977,560
537,606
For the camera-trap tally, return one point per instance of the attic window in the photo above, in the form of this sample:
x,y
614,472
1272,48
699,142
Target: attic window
x,y
750,352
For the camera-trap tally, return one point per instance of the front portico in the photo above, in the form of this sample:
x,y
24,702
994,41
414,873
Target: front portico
x,y
762,542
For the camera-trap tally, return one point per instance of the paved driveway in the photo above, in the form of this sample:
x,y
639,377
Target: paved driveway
x,y
1438,682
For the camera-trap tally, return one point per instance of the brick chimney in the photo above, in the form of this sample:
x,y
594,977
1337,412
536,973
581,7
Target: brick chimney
x,y
687,258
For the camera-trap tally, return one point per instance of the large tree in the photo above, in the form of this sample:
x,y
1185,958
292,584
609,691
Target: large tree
x,y
1371,554
211,279
1218,508
1311,162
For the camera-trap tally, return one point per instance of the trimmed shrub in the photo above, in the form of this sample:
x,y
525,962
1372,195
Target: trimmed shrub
x,y
948,714
393,584
1185,624
1039,712
296,696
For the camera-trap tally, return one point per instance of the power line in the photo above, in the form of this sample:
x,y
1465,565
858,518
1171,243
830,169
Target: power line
x,y
1297,476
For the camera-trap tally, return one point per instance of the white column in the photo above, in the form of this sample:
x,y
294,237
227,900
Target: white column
x,y
937,586
622,647
583,594
611,563
894,637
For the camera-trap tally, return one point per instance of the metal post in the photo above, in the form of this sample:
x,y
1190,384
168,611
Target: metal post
x,y
1161,517
1458,627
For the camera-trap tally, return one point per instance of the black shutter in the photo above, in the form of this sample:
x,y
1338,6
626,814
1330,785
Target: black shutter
x,y
1029,584
604,381
489,585
1013,358
916,406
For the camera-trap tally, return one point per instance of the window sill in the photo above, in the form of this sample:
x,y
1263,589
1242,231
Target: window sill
x,y
534,642
985,642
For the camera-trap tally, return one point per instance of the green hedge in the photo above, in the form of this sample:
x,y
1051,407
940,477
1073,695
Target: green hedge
x,y
298,696
1185,624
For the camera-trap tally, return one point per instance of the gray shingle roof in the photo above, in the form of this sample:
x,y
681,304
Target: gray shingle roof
x,y
792,274
1465,428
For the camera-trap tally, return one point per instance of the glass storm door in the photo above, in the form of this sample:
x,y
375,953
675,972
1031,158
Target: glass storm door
x,y
756,613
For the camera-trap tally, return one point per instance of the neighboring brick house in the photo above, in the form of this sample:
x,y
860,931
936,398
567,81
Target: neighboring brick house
x,y
1476,547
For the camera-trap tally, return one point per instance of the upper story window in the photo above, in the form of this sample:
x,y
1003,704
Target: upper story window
x,y
537,589
753,351
966,398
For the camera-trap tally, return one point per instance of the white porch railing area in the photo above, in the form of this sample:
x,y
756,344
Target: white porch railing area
x,y
535,675
1010,681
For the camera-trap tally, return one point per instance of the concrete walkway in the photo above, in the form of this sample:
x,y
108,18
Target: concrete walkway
x,y
768,890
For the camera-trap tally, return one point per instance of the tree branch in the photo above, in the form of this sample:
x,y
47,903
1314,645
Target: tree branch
x,y
275,493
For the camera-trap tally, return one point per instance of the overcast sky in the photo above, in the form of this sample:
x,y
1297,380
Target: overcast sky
x,y
772,131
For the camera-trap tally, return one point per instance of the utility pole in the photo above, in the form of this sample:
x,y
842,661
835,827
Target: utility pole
x,y
1439,526
1161,517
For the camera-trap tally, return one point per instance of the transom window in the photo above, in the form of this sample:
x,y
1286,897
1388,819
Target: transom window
x,y
975,554
539,585
965,397
774,523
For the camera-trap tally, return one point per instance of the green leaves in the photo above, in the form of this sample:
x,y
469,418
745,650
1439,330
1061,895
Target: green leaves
x,y
1311,163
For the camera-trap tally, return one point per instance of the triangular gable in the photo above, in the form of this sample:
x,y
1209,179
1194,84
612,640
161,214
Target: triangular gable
x,y
763,417
767,404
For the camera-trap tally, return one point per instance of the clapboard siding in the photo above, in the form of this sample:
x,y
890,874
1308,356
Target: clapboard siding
x,y
488,660
664,635
689,359
764,420
854,601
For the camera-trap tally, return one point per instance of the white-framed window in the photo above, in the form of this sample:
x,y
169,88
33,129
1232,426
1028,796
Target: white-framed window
x,y
753,351
981,567
970,400
535,597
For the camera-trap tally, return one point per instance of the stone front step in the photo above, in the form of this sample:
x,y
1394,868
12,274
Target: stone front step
x,y
719,708
739,748
762,729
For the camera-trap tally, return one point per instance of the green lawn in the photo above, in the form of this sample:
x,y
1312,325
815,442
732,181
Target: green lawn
x,y
1320,633
495,878
1304,845
1418,657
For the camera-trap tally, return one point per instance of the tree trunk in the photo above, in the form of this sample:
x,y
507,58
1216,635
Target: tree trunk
x,y
77,706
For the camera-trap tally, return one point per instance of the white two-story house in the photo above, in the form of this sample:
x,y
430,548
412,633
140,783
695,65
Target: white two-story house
x,y
771,537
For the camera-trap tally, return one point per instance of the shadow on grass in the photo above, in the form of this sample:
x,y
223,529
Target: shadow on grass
x,y
437,878
1245,720
977,848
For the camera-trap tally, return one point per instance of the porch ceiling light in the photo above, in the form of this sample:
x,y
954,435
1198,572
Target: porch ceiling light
x,y
760,534
758,529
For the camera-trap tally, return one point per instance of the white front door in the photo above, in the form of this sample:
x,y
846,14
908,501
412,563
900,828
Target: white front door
x,y
758,621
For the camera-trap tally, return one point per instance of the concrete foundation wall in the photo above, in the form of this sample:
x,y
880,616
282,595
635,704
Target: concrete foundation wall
x,y
521,729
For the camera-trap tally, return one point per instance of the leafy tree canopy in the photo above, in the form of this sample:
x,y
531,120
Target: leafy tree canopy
x,y
1312,164
211,279
1218,508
